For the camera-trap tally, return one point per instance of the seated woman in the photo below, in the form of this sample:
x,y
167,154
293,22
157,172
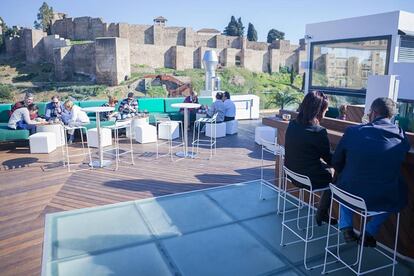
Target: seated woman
x,y
192,98
20,118
54,110
110,115
73,116
342,112
306,143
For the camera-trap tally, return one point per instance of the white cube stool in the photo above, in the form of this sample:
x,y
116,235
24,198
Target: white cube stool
x,y
220,130
92,137
145,134
231,127
42,142
266,133
168,130
137,121
57,129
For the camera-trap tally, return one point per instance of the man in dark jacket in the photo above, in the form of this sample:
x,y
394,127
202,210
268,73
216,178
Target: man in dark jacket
x,y
368,159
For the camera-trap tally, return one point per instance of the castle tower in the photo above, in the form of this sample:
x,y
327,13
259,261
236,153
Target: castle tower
x,y
160,21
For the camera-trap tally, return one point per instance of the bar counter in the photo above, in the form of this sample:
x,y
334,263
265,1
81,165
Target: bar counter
x,y
335,129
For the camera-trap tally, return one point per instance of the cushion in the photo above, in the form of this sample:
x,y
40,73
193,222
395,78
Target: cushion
x,y
7,134
42,108
4,112
92,124
170,101
151,104
92,104
205,100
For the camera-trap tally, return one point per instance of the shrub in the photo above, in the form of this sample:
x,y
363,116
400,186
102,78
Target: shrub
x,y
6,93
25,77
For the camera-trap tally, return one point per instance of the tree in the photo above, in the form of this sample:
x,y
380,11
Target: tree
x,y
283,98
292,75
235,27
12,32
274,34
232,27
3,28
240,27
44,18
251,33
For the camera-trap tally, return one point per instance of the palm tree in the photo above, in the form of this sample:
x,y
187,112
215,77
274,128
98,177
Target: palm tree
x,y
283,98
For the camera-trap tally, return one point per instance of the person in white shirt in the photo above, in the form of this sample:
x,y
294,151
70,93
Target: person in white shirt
x,y
20,118
217,107
72,116
229,108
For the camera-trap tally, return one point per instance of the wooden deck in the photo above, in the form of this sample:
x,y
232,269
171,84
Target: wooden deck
x,y
32,186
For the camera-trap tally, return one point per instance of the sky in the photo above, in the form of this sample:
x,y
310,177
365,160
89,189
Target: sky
x,y
289,16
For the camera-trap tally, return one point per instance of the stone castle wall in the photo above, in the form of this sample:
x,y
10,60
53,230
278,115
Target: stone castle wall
x,y
116,46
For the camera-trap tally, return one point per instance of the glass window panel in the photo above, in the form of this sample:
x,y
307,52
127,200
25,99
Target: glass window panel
x,y
348,64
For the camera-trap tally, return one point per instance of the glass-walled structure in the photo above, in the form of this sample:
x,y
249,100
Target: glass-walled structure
x,y
343,66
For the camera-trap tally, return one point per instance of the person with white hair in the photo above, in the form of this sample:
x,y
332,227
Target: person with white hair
x,y
73,116
28,99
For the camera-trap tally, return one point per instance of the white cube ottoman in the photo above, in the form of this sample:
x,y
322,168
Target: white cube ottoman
x,y
136,122
168,130
220,130
231,127
106,137
145,134
57,129
266,133
42,142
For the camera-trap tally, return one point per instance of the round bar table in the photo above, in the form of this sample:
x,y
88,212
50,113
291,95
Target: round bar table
x,y
186,106
99,109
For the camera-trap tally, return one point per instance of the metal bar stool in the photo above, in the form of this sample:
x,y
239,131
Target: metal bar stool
x,y
127,125
66,155
357,205
298,230
278,151
212,142
165,121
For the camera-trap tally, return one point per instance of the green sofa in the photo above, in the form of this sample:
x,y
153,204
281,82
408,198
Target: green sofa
x,y
153,106
7,134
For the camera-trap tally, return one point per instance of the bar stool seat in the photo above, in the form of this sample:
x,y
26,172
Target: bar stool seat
x,y
358,206
172,132
278,151
304,234
66,156
212,142
117,148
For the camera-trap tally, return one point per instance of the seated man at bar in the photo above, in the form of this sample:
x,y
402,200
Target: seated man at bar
x,y
20,119
229,107
217,107
54,110
128,107
306,145
368,159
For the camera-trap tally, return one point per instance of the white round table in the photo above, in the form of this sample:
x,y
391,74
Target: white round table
x,y
99,109
186,106
56,129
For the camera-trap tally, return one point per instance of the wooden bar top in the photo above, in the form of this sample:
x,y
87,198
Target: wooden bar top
x,y
335,129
